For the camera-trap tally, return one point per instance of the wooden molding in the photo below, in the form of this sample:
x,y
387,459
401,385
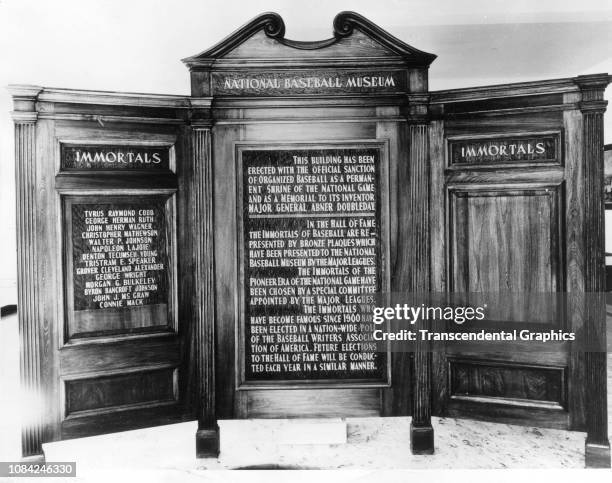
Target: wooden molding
x,y
553,86
346,22
77,96
23,117
271,23
344,25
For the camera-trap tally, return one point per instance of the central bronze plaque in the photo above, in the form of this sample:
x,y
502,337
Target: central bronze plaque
x,y
312,256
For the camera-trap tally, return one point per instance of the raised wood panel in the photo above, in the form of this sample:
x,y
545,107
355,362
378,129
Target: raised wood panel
x,y
113,421
506,240
116,321
120,391
544,417
306,403
142,350
507,383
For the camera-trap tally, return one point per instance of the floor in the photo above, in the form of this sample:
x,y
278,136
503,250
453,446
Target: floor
x,y
381,443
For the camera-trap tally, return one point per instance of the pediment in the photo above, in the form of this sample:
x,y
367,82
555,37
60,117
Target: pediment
x,y
354,37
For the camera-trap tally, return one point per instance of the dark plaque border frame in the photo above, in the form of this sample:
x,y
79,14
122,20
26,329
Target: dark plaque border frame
x,y
69,197
501,136
239,147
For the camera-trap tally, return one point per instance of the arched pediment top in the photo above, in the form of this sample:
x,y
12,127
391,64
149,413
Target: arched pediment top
x,y
354,36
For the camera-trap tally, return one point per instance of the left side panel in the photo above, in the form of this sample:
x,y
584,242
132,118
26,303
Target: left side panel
x,y
104,272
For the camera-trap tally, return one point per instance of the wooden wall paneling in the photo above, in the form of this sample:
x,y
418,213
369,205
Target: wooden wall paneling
x,y
401,362
397,399
226,304
575,261
526,218
93,394
499,117
508,414
438,255
111,422
593,106
164,347
521,385
189,383
49,241
279,111
53,117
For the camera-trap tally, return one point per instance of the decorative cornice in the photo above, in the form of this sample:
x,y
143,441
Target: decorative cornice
x,y
592,89
344,25
23,91
346,22
593,81
24,117
24,102
593,106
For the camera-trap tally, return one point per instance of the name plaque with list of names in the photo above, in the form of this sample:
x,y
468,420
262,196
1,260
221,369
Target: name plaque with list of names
x,y
312,260
119,264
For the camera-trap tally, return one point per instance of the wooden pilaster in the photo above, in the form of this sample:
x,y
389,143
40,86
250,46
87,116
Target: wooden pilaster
x,y
593,106
421,431
28,306
207,438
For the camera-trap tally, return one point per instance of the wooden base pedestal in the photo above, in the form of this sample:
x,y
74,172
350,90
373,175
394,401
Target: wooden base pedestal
x,y
207,443
421,439
597,455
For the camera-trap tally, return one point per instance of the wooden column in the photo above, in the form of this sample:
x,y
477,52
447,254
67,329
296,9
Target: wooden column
x,y
421,430
593,106
207,437
28,306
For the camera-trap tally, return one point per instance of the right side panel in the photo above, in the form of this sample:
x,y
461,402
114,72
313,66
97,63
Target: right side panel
x,y
501,161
